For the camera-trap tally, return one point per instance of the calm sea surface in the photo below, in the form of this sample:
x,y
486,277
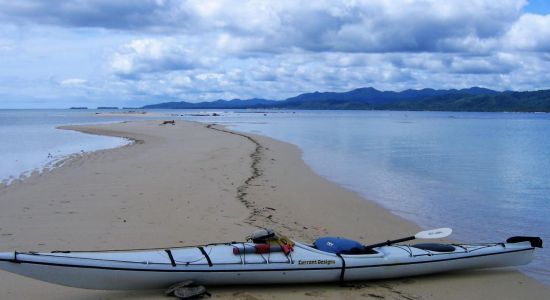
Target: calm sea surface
x,y
486,175
29,141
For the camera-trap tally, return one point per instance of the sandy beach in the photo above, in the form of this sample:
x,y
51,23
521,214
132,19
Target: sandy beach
x,y
193,183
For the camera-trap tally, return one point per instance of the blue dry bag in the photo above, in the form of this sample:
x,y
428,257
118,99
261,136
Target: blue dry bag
x,y
338,245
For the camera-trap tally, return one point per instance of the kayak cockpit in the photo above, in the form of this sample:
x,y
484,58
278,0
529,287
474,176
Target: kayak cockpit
x,y
435,247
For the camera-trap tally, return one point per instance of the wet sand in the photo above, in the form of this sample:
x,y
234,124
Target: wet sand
x,y
192,183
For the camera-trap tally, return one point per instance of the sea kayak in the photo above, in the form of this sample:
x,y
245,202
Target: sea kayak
x,y
252,263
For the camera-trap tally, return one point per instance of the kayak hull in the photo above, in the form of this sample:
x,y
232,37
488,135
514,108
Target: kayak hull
x,y
217,265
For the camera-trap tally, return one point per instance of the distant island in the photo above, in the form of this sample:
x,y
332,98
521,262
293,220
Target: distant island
x,y
107,107
79,107
473,99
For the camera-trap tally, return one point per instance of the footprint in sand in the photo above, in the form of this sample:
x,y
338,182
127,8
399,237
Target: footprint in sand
x,y
408,281
244,296
373,296
315,294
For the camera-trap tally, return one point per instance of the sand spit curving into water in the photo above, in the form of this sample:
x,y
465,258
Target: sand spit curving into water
x,y
192,183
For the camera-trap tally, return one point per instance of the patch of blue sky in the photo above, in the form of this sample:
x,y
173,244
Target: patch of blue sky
x,y
540,7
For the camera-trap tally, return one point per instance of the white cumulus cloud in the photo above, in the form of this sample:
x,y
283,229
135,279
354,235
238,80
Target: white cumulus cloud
x,y
531,33
151,55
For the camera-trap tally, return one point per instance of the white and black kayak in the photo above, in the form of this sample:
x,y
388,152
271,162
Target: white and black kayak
x,y
261,262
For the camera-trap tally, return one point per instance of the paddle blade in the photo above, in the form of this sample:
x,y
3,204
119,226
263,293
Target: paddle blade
x,y
434,233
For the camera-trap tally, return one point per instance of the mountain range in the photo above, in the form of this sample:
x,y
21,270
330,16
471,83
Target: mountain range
x,y
470,99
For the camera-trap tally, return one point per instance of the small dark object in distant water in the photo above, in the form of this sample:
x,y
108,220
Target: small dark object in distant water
x,y
215,115
172,122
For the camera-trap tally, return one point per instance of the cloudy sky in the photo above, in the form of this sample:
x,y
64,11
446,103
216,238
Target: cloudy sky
x,y
131,53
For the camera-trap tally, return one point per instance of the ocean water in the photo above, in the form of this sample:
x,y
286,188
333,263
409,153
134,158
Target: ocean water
x,y
486,175
29,140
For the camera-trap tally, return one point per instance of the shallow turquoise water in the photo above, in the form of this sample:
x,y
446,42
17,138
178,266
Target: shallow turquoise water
x,y
486,175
